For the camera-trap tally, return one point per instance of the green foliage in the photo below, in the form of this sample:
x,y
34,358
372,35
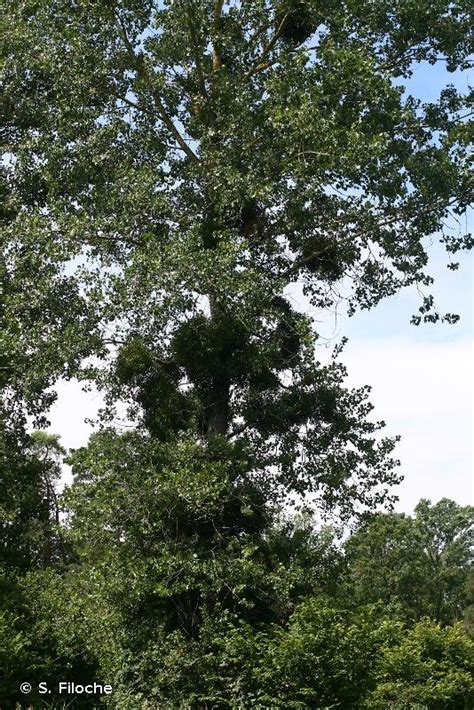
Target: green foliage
x,y
174,543
163,190
13,655
295,22
158,157
322,659
428,667
469,611
29,513
189,588
419,566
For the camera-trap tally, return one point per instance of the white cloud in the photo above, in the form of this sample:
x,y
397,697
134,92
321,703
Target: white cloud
x,y
424,393
68,416
70,411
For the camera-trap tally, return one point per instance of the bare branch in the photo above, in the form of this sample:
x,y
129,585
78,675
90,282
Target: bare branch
x,y
268,48
172,128
216,53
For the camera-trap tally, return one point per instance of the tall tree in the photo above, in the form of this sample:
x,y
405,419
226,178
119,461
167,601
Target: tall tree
x,y
173,167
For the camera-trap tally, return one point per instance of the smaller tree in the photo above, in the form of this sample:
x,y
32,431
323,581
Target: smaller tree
x,y
429,668
418,566
29,513
324,658
469,613
32,551
328,657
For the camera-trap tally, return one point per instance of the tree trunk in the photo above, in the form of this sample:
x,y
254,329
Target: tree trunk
x,y
218,416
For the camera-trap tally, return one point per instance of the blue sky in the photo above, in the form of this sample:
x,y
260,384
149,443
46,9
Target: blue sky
x,y
421,377
421,380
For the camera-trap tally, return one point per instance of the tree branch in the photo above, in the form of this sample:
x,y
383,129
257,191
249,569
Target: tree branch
x,y
266,65
142,72
216,52
146,110
197,57
268,48
218,6
380,225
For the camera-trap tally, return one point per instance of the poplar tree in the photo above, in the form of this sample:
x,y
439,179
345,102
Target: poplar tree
x,y
171,169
